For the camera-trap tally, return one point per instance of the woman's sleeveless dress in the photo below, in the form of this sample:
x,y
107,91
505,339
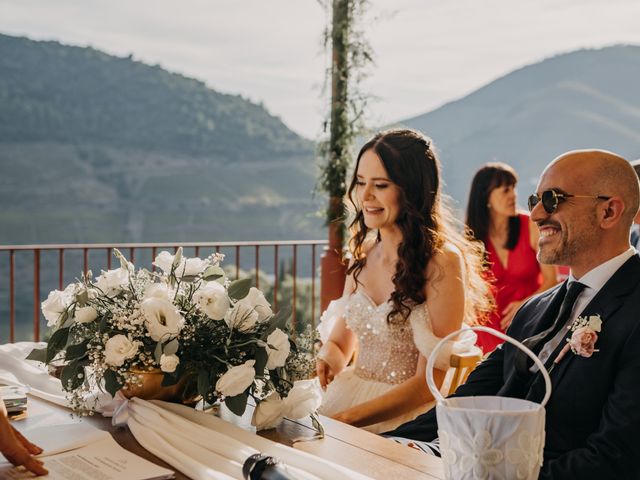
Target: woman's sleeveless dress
x,y
516,280
387,356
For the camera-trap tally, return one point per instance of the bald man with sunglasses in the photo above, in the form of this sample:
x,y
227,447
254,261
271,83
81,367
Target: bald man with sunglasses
x,y
584,205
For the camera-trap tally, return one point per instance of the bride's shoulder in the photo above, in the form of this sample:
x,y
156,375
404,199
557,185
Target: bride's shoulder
x,y
447,259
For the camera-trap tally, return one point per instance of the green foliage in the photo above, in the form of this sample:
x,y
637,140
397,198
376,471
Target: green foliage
x,y
240,288
352,55
56,343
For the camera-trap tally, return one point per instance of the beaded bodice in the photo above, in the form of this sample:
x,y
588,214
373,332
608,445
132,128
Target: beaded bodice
x,y
387,352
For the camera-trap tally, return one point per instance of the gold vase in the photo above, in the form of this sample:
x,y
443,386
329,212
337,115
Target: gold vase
x,y
149,387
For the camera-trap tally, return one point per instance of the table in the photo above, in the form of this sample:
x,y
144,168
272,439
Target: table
x,y
343,444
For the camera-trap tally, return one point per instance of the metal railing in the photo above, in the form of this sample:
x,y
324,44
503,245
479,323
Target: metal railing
x,y
278,258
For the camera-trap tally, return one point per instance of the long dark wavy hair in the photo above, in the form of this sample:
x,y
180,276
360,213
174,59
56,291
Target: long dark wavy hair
x,y
426,225
488,178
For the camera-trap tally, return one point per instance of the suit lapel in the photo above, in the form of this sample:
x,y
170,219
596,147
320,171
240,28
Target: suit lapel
x,y
606,302
546,311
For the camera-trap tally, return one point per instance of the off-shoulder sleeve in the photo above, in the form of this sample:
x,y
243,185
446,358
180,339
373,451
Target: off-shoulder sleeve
x,y
425,340
330,316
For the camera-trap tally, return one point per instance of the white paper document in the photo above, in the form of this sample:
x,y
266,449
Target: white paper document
x,y
100,458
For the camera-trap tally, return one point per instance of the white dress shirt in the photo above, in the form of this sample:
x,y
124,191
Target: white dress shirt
x,y
593,281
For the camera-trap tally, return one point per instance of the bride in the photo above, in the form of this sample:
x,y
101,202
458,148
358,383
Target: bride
x,y
412,280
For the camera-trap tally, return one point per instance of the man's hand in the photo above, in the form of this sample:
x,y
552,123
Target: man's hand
x,y
17,449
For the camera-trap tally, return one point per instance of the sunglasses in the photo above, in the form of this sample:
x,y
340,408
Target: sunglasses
x,y
551,199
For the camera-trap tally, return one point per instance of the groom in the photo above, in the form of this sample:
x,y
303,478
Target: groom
x,y
584,206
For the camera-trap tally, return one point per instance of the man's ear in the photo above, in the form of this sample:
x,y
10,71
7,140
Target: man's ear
x,y
612,212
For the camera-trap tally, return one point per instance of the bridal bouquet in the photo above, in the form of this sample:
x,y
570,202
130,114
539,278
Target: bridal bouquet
x,y
188,321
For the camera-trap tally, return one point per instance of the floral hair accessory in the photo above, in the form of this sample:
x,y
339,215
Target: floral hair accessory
x,y
584,337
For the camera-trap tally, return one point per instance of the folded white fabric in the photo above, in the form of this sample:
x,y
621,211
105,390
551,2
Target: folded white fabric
x,y
203,446
15,370
197,451
34,377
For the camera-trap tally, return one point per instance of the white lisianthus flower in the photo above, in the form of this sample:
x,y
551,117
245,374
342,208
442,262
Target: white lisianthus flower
x,y
269,412
164,260
162,319
278,349
85,314
237,379
158,290
118,349
242,317
213,300
169,363
56,303
256,299
112,282
183,267
191,267
303,399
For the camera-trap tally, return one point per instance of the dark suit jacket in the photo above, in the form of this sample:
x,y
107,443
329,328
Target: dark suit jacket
x,y
593,415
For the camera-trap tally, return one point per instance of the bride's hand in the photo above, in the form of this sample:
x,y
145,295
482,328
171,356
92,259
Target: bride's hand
x,y
325,373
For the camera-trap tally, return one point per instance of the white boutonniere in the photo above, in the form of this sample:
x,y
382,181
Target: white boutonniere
x,y
584,337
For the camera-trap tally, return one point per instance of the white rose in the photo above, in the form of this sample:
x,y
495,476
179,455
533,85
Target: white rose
x,y
168,363
256,299
213,300
303,399
237,379
85,314
278,349
56,303
118,349
158,290
242,317
162,318
113,281
269,412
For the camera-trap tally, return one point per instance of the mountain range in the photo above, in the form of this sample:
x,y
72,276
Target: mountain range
x,y
582,99
97,148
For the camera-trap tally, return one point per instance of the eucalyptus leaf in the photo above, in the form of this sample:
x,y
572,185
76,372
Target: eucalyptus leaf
x,y
157,352
212,273
72,376
111,382
237,404
203,383
56,343
261,361
77,351
279,320
171,347
240,288
188,278
82,298
38,354
102,328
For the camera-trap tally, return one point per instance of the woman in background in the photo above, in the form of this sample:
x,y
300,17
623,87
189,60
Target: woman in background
x,y
511,243
413,279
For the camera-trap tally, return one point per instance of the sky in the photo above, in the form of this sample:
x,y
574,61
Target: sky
x,y
427,52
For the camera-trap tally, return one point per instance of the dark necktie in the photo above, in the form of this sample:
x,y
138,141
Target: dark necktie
x,y
522,361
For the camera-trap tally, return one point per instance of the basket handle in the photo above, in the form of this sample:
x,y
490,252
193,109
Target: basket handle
x,y
434,353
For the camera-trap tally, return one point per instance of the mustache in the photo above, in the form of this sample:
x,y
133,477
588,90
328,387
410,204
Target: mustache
x,y
545,223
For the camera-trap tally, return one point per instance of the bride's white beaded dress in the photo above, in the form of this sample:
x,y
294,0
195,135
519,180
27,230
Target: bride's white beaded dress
x,y
387,355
